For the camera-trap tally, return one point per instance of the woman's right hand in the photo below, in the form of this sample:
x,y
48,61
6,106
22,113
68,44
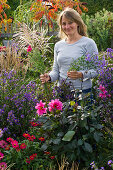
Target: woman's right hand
x,y
44,78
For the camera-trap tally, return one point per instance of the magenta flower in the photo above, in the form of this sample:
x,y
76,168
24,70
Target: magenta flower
x,y
1,155
9,139
40,108
55,104
103,93
23,146
29,48
3,166
102,88
3,144
15,144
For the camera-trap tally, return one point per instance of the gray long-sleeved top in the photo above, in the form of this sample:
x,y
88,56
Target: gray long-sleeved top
x,y
64,54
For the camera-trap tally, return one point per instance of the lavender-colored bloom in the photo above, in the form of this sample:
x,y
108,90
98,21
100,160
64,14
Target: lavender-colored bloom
x,y
92,163
1,133
102,168
5,129
22,116
109,52
110,162
1,111
88,57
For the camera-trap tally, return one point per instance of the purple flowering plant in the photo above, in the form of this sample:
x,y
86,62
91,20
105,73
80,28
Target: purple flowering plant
x,y
17,101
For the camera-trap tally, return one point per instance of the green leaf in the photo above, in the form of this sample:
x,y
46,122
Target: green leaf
x,y
68,136
73,156
88,147
60,134
44,146
99,126
97,136
83,123
80,142
91,130
56,141
84,137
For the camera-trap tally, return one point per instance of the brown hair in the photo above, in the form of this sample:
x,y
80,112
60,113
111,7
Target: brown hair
x,y
73,16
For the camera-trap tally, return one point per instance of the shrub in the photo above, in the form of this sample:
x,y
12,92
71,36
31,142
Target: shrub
x,y
100,28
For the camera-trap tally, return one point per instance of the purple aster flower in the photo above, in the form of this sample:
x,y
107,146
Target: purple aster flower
x,y
88,57
22,116
92,163
1,111
110,162
5,129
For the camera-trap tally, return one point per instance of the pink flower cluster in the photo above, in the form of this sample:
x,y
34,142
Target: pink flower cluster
x,y
15,144
104,92
53,105
29,49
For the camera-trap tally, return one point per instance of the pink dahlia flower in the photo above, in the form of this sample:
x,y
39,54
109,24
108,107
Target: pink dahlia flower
x,y
55,104
40,108
3,166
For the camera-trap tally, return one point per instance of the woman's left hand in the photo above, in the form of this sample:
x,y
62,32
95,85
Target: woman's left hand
x,y
74,75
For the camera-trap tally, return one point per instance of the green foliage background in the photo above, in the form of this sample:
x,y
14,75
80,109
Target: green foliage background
x,y
97,5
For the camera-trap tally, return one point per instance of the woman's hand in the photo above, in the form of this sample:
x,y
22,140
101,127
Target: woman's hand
x,y
74,75
44,78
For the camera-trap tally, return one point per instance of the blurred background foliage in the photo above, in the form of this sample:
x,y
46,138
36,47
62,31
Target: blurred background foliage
x,y
92,5
97,5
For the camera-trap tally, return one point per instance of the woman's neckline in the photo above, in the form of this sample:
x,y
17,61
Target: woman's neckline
x,y
73,42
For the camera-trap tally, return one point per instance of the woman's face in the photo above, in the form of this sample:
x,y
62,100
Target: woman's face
x,y
69,27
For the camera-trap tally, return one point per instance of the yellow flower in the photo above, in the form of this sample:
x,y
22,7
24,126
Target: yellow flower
x,y
72,103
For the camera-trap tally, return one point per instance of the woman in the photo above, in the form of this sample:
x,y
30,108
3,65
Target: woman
x,y
74,43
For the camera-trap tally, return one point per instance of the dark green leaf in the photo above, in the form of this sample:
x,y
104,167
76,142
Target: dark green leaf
x,y
97,136
80,142
88,147
73,156
56,141
83,123
84,137
92,129
99,126
44,146
60,134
